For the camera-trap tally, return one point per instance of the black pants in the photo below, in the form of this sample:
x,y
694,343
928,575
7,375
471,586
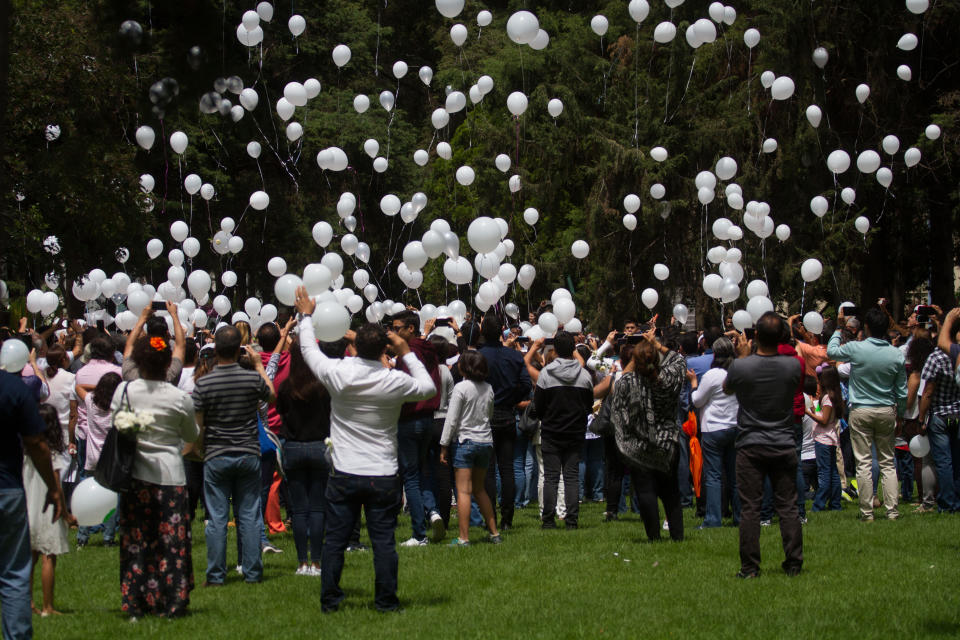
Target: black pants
x,y
560,456
504,427
651,485
194,473
440,474
613,472
379,496
753,463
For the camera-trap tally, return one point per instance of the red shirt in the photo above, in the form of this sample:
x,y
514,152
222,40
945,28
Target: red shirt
x,y
283,370
798,403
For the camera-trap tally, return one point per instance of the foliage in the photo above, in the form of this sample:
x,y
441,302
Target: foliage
x,y
622,95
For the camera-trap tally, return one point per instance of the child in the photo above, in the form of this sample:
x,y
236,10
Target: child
x,y
826,439
468,419
99,419
47,538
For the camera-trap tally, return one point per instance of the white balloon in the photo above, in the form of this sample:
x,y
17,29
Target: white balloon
x,y
658,153
630,222
285,289
907,42
884,176
421,157
341,55
564,309
649,297
517,103
782,88
664,32
657,191
380,164
838,161
145,137
548,323
639,10
767,78
178,142
484,18
390,204
769,145
331,320
868,161
862,92
450,8
179,230
249,99
631,203
661,271
322,233
228,278
726,167
811,269
235,244
932,132
465,176
361,103
259,200
599,24
191,247
911,156
820,57
253,149
580,249
814,115
91,503
458,34
742,319
813,322
502,162
783,232
713,285
917,7
207,191
757,288
904,73
531,216
522,27
296,24
455,102
426,75
387,100
890,144
526,275
147,183
862,224
758,305
751,38
295,93
919,446
483,234
276,267
458,270
555,107
444,150
414,255
294,131
285,109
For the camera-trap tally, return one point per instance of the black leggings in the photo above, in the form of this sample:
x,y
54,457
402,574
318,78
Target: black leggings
x,y
663,485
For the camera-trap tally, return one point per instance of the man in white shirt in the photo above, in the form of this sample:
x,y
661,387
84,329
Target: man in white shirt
x,y
365,400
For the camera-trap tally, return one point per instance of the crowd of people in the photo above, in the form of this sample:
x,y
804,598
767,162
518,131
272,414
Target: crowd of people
x,y
431,414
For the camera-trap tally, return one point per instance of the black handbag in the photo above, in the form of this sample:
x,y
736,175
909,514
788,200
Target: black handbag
x,y
115,467
528,425
601,424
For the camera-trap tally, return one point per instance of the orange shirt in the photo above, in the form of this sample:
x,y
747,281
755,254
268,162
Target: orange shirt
x,y
812,356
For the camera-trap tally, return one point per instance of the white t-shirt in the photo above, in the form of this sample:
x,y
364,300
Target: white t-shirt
x,y
719,409
61,393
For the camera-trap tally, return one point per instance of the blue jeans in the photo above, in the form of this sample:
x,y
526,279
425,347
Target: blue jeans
x,y
945,451
591,470
15,564
828,478
108,527
413,440
683,471
307,470
234,476
380,498
905,473
719,456
524,470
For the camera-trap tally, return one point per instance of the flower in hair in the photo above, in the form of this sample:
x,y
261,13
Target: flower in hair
x,y
158,343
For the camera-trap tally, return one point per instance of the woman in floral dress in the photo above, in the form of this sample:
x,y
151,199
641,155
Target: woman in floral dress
x,y
156,568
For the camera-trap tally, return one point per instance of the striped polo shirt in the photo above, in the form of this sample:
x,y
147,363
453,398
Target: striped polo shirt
x,y
229,396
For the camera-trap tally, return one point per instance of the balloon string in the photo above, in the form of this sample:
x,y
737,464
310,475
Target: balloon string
x,y
636,89
689,78
166,167
803,295
749,76
763,259
666,100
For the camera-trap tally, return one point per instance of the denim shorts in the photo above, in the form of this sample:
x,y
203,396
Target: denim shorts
x,y
472,455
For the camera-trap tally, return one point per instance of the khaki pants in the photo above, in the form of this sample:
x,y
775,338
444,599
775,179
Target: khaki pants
x,y
874,426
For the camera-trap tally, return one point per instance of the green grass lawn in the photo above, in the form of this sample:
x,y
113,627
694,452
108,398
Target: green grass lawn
x,y
859,580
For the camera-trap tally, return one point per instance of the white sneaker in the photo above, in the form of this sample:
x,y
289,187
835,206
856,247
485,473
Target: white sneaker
x,y
269,548
439,530
413,542
304,570
239,569
666,526
314,571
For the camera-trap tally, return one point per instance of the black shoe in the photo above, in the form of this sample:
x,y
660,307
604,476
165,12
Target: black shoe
x,y
793,573
609,516
548,525
569,526
506,526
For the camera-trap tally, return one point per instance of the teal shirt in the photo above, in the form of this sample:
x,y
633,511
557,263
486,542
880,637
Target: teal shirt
x,y
878,377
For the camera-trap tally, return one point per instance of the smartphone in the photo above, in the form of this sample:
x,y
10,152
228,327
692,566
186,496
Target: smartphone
x,y
924,310
523,339
548,342
749,333
159,305
634,339
442,322
851,311
619,337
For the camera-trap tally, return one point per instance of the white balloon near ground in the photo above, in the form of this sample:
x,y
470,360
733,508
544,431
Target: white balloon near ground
x,y
759,305
91,503
919,446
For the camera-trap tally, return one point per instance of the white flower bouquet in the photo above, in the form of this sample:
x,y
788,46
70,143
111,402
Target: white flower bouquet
x,y
133,422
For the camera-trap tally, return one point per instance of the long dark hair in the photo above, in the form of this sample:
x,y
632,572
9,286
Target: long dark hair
x,y
103,392
54,432
830,386
919,350
302,385
56,360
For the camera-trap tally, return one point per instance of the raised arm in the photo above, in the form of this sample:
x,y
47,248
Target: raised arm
x,y
944,339
135,334
179,339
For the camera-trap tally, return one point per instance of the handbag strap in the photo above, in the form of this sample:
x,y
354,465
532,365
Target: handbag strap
x,y
124,399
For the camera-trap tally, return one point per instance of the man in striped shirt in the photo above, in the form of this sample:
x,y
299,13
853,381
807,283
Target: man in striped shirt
x,y
226,401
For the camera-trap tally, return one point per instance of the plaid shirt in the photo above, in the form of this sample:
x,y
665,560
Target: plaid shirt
x,y
946,397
